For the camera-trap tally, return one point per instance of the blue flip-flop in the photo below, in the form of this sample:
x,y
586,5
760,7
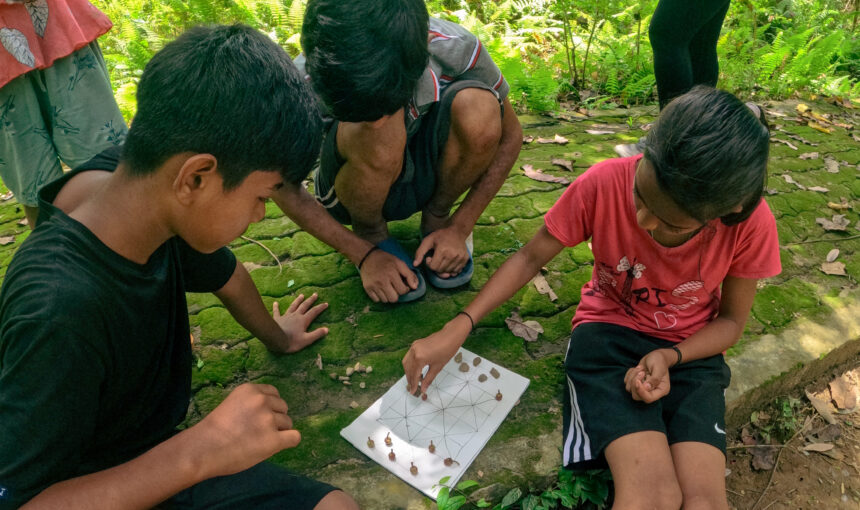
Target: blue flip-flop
x,y
391,246
461,278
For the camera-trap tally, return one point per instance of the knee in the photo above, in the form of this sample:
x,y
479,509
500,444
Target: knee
x,y
476,121
705,500
665,495
337,500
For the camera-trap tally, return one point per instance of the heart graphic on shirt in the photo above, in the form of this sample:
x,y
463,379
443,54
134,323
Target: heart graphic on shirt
x,y
664,320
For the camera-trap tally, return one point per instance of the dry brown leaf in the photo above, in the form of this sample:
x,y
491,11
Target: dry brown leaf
x,y
789,179
839,223
822,407
818,447
527,330
834,268
828,433
7,196
802,108
809,155
557,139
599,132
543,287
848,127
818,127
832,255
843,205
763,459
538,175
564,163
528,139
820,189
831,165
23,222
6,240
855,137
318,362
845,392
786,142
820,118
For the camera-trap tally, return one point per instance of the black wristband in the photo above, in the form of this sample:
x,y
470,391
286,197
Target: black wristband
x,y
677,351
471,320
371,250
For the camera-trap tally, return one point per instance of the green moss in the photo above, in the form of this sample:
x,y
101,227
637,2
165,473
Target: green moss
x,y
494,238
218,326
776,305
321,443
220,366
507,208
208,398
414,320
306,244
323,270
252,252
201,301
269,228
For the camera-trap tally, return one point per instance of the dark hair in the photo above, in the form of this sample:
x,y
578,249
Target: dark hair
x,y
231,92
365,58
709,152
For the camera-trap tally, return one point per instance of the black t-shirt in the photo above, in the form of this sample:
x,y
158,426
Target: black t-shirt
x,y
95,357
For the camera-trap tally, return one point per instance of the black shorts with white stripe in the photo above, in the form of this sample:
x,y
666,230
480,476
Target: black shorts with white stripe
x,y
598,409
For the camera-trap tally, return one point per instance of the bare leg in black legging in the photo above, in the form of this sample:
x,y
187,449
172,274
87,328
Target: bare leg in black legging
x,y
683,36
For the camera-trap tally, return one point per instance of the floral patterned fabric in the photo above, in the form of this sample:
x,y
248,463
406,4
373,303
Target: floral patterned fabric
x,y
35,33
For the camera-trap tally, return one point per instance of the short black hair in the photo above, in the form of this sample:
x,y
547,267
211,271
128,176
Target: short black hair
x,y
709,151
231,92
365,57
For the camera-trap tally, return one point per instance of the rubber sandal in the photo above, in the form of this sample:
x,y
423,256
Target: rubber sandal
x,y
391,246
462,278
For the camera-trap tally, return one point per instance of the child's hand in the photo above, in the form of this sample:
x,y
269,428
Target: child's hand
x,y
649,380
248,427
296,321
434,350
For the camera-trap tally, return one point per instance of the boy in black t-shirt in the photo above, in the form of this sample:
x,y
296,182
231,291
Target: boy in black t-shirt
x,y
94,335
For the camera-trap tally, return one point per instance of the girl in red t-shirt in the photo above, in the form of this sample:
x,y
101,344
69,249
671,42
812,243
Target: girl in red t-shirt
x,y
680,237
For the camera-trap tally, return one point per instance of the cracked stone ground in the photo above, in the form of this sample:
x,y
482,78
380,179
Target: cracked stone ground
x,y
526,446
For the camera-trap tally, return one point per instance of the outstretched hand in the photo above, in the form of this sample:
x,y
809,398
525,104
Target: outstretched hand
x,y
449,253
296,321
648,381
385,277
433,351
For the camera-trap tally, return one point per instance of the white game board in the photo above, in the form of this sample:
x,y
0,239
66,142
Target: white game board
x,y
460,415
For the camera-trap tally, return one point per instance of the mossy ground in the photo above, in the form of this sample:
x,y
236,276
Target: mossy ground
x,y
378,334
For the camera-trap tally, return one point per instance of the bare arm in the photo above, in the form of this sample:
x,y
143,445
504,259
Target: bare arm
x,y
436,349
248,427
649,380
280,333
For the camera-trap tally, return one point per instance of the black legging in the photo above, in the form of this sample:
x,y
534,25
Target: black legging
x,y
684,35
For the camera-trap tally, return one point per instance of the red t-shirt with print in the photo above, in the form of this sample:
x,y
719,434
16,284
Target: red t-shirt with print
x,y
668,293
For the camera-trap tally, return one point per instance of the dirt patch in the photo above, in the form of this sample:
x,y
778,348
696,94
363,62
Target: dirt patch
x,y
792,454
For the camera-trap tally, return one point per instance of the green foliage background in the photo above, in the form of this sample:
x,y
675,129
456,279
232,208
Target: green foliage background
x,y
595,51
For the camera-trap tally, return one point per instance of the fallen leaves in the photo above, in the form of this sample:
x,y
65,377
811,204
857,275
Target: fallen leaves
x,y
318,362
785,142
557,139
527,330
843,205
538,175
543,287
831,165
833,268
564,163
6,240
599,132
820,189
789,179
809,155
839,223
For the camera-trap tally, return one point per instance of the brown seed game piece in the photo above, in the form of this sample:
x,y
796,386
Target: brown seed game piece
x,y
423,396
432,447
459,357
449,461
464,367
482,377
370,443
388,439
413,469
498,395
495,373
391,455
476,361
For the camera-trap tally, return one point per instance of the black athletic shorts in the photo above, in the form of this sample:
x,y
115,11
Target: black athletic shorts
x,y
598,409
417,180
262,487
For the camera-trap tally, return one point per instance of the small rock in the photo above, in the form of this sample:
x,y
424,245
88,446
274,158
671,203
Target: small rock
x,y
476,361
361,385
495,373
464,367
358,367
459,357
832,255
349,371
347,383
482,377
333,375
342,378
368,370
353,404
